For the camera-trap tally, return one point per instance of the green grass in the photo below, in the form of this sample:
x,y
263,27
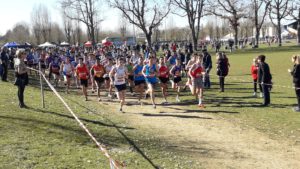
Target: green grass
x,y
50,138
278,120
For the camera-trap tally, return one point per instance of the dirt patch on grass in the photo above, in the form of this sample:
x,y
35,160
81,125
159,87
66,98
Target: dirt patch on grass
x,y
210,140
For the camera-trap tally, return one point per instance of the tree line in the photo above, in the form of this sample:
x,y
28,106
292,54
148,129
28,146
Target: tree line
x,y
148,17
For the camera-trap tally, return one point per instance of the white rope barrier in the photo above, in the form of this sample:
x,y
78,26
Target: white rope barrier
x,y
113,163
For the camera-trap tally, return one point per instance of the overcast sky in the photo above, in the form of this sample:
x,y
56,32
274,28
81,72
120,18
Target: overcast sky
x,y
14,11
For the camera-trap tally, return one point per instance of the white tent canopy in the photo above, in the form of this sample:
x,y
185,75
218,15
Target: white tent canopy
x,y
207,38
285,33
227,37
105,40
64,44
293,31
47,45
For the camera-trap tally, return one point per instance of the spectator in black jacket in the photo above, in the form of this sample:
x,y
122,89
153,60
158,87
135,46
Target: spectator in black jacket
x,y
4,61
296,79
264,78
207,64
222,69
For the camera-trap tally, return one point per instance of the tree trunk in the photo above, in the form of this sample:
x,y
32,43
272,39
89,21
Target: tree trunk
x,y
236,31
93,35
298,27
69,38
195,39
279,32
149,40
257,37
298,30
257,29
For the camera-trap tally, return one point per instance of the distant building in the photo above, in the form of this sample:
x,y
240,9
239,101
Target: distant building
x,y
269,30
292,27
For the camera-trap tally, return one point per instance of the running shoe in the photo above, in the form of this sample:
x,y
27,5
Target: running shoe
x,y
261,95
201,106
164,103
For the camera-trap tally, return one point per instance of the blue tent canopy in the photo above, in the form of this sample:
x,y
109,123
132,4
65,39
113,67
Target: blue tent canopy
x,y
11,45
26,45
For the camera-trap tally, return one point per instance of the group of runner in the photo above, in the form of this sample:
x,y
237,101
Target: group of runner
x,y
142,73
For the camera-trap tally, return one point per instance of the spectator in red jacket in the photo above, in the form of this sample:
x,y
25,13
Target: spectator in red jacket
x,y
254,73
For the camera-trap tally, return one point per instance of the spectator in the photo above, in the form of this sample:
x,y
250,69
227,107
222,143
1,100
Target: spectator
x,y
230,43
265,79
190,47
254,72
4,61
222,69
296,79
207,65
21,76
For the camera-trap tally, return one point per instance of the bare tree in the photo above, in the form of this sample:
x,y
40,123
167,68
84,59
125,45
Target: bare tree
x,y
232,10
20,33
123,26
246,28
97,30
278,10
171,28
78,33
193,10
41,23
145,15
294,12
209,30
57,34
84,11
217,28
260,8
67,22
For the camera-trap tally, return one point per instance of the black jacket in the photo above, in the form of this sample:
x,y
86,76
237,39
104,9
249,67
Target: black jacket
x,y
207,63
296,75
222,67
4,58
264,74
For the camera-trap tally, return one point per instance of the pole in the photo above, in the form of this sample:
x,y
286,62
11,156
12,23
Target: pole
x,y
42,87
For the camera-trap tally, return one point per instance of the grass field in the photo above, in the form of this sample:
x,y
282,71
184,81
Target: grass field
x,y
50,138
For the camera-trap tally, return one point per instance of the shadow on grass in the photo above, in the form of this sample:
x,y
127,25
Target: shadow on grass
x,y
83,119
26,120
202,111
253,105
172,115
130,141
